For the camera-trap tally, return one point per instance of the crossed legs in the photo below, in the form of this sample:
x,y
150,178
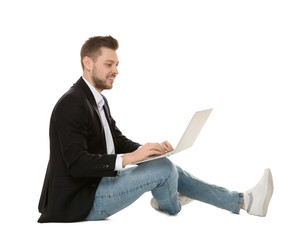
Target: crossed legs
x,y
165,181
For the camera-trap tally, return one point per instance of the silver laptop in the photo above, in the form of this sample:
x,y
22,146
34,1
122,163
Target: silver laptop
x,y
191,133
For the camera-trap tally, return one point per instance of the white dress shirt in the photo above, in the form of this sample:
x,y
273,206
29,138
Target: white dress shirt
x,y
109,139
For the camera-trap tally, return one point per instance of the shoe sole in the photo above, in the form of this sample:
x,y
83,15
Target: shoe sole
x,y
269,190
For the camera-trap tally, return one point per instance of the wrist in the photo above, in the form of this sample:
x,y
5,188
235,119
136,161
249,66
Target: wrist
x,y
125,159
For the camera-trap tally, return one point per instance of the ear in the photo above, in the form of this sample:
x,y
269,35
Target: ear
x,y
87,62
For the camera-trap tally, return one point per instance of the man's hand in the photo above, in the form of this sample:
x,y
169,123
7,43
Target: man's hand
x,y
167,146
147,150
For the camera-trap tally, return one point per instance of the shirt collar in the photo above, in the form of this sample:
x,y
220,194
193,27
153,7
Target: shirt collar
x,y
97,96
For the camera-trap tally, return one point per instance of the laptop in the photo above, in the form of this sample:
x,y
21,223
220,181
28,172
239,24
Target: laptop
x,y
190,135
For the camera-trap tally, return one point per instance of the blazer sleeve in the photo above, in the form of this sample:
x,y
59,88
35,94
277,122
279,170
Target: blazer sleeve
x,y
70,122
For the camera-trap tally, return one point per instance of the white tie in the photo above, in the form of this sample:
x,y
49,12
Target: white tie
x,y
109,139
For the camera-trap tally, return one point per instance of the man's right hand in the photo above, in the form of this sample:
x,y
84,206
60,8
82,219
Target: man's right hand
x,y
147,150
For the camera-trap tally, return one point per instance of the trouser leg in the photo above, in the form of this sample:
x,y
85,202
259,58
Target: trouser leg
x,y
115,193
194,188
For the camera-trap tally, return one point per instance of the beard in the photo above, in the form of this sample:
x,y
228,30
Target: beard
x,y
100,83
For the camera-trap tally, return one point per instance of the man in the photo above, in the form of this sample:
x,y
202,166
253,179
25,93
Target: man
x,y
86,178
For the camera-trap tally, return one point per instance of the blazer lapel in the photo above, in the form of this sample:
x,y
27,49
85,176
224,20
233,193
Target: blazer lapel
x,y
81,84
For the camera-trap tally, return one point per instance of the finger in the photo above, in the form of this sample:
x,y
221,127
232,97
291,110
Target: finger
x,y
158,147
170,148
155,153
167,146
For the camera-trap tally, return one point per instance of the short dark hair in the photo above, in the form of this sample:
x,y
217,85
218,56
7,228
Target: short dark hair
x,y
91,47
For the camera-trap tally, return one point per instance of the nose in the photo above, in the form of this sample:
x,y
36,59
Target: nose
x,y
115,70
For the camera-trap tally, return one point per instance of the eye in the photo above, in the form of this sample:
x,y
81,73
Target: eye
x,y
108,64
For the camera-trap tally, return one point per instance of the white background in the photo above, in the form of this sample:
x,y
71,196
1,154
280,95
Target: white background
x,y
240,57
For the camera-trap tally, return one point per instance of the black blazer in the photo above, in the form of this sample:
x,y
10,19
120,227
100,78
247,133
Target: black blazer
x,y
78,156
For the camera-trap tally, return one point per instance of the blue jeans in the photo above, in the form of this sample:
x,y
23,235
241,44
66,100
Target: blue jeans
x,y
165,181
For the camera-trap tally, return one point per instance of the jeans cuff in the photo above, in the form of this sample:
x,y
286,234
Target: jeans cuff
x,y
240,200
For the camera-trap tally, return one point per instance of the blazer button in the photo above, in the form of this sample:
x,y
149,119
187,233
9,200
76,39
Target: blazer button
x,y
106,166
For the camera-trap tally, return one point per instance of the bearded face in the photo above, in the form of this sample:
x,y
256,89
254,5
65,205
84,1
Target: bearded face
x,y
104,69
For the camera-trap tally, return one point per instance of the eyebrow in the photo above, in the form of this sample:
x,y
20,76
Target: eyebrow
x,y
111,61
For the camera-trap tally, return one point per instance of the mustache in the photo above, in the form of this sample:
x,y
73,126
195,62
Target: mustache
x,y
112,75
